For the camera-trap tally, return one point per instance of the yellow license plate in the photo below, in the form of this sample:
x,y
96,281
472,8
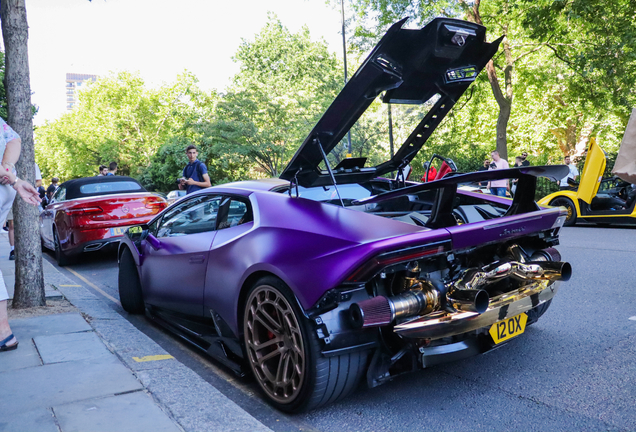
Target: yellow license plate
x,y
117,232
507,329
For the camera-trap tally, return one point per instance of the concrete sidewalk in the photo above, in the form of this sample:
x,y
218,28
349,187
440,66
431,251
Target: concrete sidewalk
x,y
95,371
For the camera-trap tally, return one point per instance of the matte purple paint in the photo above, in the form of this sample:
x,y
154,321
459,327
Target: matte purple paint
x,y
311,246
501,229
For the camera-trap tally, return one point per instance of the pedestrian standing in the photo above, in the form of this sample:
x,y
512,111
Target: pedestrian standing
x,y
103,170
524,161
195,173
498,187
10,184
112,169
52,188
573,174
484,167
518,164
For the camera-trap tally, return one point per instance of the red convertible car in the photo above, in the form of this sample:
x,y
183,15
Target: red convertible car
x,y
89,213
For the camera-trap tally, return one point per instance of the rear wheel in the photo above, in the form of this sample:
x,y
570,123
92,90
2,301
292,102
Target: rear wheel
x,y
130,295
536,313
60,256
284,353
569,206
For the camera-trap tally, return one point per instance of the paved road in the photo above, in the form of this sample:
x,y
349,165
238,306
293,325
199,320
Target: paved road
x,y
573,370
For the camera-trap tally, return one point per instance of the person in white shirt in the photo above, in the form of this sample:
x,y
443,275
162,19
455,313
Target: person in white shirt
x,y
498,187
10,146
574,173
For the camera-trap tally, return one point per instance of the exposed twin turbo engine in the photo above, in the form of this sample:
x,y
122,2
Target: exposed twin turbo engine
x,y
466,293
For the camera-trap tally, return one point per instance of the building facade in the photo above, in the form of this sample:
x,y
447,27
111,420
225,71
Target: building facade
x,y
74,81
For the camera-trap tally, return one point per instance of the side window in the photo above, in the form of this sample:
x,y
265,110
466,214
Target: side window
x,y
194,216
238,212
60,194
153,227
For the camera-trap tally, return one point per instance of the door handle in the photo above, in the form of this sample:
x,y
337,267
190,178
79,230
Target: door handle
x,y
197,259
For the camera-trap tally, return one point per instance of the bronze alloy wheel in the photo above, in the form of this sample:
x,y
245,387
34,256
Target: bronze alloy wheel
x,y
274,343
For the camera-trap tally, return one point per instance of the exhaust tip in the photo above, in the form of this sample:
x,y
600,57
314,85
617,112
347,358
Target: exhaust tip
x,y
374,312
470,300
566,271
482,300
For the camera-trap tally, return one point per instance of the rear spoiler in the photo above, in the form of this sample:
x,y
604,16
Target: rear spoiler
x,y
441,214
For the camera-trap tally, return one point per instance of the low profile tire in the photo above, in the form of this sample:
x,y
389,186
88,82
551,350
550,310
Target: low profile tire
x,y
569,206
61,258
284,353
536,313
130,294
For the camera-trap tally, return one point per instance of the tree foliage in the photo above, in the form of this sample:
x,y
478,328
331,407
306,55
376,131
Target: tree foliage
x,y
118,119
564,71
286,81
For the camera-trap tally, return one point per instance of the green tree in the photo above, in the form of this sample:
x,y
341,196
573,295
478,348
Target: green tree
x,y
286,81
119,119
564,71
595,43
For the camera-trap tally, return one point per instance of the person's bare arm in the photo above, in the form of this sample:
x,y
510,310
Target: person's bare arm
x,y
10,157
204,184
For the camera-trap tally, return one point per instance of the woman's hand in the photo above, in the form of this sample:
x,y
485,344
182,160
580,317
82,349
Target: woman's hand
x,y
27,192
6,175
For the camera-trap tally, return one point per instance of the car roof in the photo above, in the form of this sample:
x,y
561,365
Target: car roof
x,y
73,187
259,184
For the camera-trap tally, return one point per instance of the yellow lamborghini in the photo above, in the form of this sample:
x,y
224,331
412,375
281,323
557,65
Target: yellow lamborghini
x,y
602,201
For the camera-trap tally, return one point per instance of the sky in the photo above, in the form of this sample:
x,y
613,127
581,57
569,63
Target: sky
x,y
157,38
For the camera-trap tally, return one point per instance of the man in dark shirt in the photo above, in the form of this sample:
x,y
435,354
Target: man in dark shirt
x,y
52,188
524,162
484,168
195,173
112,169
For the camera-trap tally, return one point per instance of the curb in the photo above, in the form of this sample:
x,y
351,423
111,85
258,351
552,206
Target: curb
x,y
193,403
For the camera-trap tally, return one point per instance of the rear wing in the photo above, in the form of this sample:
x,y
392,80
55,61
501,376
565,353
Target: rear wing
x,y
442,211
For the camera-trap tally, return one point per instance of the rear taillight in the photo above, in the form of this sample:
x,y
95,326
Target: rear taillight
x,y
377,263
83,211
153,204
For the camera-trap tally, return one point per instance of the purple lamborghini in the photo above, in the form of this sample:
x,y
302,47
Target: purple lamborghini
x,y
328,276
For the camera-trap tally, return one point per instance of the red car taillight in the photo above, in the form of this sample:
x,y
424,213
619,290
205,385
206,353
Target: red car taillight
x,y
155,204
377,263
85,211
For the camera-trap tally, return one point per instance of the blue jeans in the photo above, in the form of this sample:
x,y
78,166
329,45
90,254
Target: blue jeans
x,y
498,191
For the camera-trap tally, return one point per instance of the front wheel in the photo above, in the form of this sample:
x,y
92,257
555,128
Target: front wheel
x,y
569,206
284,353
130,294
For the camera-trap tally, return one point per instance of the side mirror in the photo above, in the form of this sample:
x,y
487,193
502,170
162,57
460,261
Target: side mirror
x,y
136,232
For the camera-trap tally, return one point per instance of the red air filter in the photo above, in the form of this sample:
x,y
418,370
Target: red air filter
x,y
374,312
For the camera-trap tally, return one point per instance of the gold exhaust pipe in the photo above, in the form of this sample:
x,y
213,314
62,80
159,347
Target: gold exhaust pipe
x,y
465,294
